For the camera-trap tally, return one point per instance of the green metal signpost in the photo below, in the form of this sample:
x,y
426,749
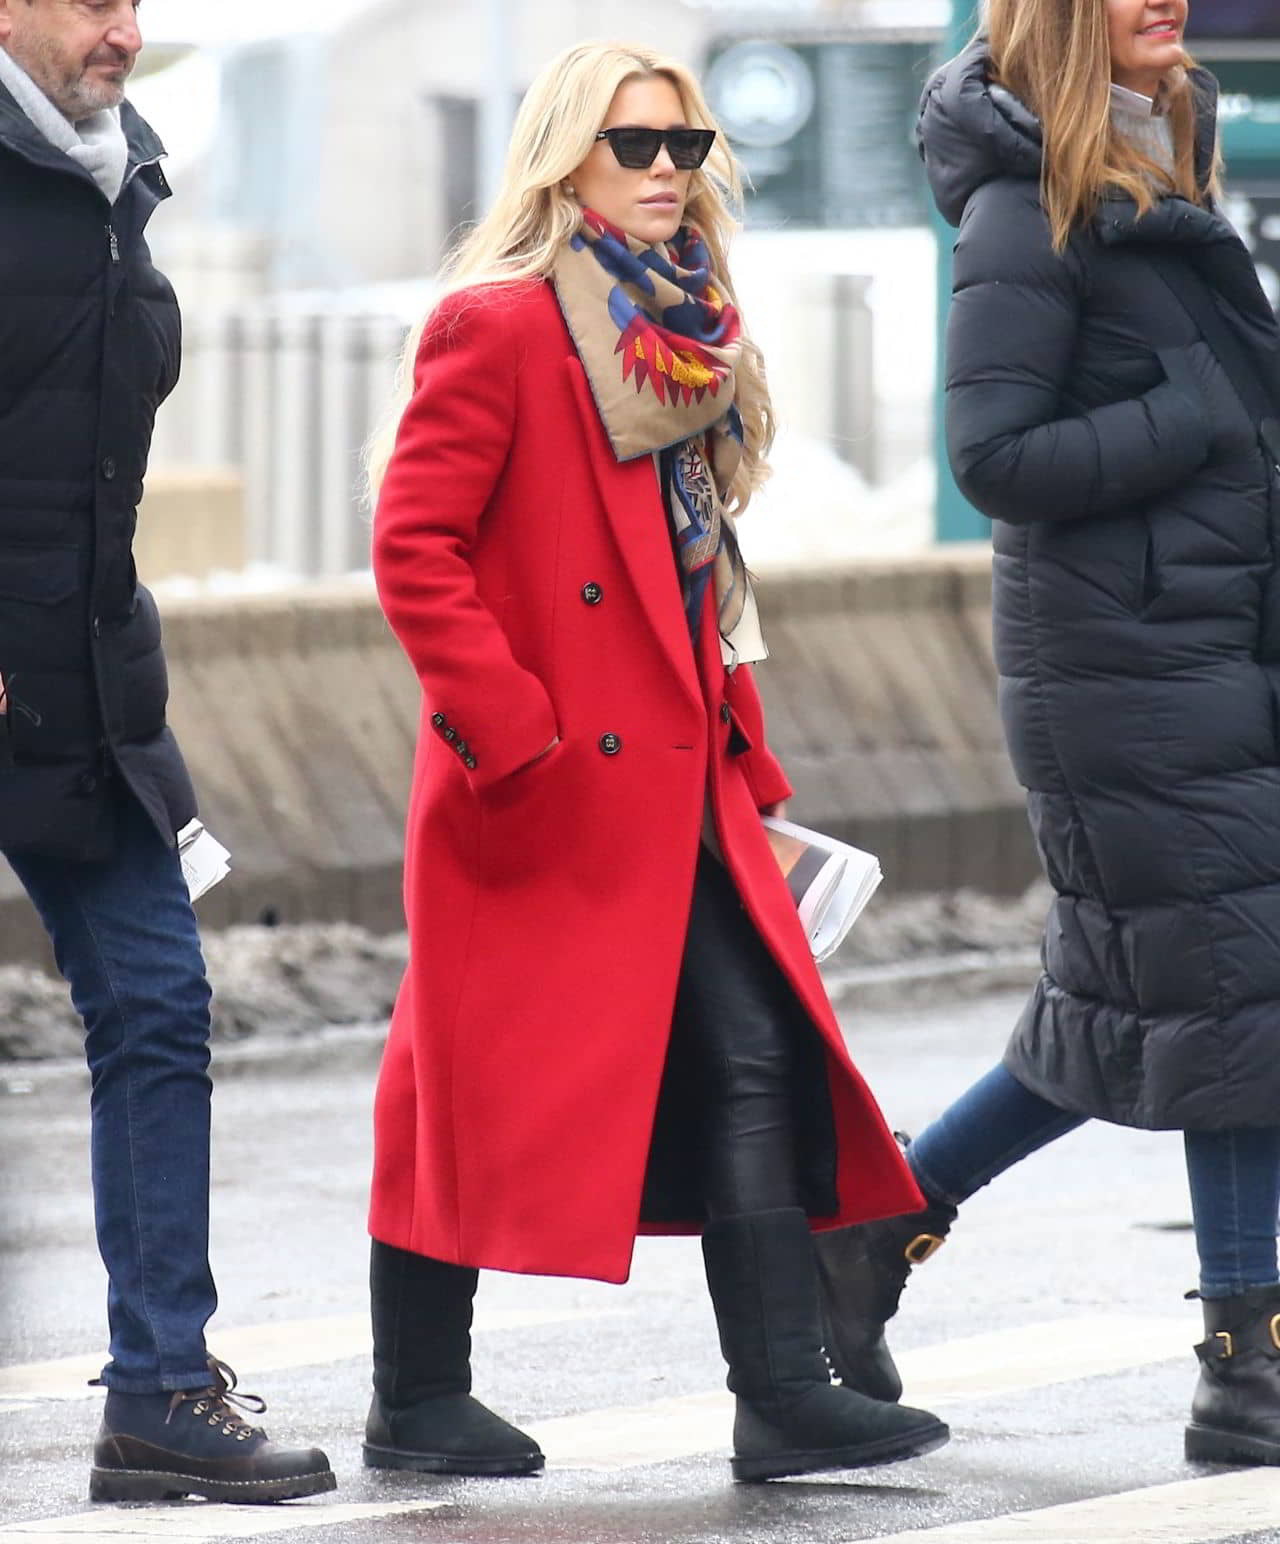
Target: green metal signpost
x,y
1251,141
957,520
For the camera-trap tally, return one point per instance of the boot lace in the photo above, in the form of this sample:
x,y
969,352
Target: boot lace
x,y
214,1404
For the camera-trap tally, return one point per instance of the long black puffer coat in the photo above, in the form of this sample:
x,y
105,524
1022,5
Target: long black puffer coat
x,y
1137,618
89,345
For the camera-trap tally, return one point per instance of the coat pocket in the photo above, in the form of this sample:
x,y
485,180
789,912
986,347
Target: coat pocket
x,y
1149,585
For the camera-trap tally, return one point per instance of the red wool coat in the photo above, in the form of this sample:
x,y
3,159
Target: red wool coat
x,y
530,579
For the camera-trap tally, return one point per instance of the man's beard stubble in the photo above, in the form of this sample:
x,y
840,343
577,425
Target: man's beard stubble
x,y
75,95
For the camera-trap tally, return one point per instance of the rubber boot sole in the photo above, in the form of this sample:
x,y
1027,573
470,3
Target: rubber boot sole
x,y
1211,1445
163,1485
451,1463
888,1450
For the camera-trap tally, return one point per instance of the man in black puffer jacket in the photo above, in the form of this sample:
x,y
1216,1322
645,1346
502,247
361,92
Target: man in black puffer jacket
x,y
92,784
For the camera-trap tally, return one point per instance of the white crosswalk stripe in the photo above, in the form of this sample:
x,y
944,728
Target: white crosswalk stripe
x,y
201,1522
1223,1506
259,1348
977,1367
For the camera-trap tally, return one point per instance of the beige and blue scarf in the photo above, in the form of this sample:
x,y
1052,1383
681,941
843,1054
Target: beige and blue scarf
x,y
660,345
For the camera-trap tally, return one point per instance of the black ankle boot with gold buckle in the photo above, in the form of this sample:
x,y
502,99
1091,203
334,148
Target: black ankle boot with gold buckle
x,y
1235,1414
161,1447
862,1271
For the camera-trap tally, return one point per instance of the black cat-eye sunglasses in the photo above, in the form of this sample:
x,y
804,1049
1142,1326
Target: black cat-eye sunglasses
x,y
637,148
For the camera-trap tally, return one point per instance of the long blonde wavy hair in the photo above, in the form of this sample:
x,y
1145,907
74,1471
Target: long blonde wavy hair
x,y
1055,56
533,217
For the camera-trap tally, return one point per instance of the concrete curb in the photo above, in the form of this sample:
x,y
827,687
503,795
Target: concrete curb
x,y
298,714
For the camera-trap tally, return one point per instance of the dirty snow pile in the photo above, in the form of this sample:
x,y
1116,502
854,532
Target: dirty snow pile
x,y
285,982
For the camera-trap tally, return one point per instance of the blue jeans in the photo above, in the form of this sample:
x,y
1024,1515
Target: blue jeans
x,y
125,939
1234,1175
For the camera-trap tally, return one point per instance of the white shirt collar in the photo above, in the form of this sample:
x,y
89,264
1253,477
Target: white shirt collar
x,y
1136,103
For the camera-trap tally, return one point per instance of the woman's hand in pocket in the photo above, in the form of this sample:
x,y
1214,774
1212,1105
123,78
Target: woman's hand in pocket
x,y
541,756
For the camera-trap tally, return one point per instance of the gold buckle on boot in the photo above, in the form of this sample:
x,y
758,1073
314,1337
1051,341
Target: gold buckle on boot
x,y
925,1245
1274,1327
1228,1347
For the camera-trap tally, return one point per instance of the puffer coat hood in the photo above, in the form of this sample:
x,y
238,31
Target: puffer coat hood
x,y
972,131
1136,615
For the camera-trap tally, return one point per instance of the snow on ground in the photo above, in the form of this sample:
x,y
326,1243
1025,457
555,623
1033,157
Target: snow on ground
x,y
281,983
817,510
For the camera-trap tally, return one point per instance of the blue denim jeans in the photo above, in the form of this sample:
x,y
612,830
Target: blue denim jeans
x,y
125,939
1234,1175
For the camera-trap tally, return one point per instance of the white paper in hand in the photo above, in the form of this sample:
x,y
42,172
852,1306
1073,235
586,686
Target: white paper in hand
x,y
204,860
835,888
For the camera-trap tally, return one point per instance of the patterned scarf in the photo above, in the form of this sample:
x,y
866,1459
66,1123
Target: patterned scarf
x,y
660,345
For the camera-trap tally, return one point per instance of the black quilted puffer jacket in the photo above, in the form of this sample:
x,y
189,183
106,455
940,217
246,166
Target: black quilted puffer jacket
x,y
1137,618
89,346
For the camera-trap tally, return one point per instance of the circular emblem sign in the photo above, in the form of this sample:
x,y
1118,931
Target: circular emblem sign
x,y
762,93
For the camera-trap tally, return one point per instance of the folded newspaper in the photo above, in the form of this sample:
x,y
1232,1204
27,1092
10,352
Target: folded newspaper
x,y
204,860
829,881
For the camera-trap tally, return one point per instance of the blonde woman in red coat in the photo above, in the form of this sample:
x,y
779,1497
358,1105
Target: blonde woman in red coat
x,y
611,1022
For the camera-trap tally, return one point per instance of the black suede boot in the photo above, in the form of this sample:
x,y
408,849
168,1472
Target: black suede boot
x,y
790,1418
862,1271
423,1416
161,1447
1235,1414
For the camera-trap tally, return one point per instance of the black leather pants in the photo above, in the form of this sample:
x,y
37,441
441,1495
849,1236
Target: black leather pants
x,y
735,1024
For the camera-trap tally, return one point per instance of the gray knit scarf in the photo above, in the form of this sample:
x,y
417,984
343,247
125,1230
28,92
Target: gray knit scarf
x,y
1145,123
97,142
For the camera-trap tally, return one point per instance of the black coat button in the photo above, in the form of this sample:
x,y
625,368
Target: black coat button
x,y
592,593
469,761
451,734
86,783
439,720
724,712
462,748
611,744
108,468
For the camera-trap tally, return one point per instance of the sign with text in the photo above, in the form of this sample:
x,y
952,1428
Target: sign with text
x,y
825,131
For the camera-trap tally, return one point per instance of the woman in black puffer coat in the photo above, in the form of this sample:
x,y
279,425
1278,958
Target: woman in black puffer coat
x,y
1137,621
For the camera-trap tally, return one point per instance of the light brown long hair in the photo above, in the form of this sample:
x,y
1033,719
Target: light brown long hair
x,y
1055,56
533,217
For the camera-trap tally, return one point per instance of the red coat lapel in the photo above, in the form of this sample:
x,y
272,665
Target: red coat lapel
x,y
630,495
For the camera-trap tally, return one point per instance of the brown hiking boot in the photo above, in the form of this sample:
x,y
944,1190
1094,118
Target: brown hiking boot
x,y
161,1447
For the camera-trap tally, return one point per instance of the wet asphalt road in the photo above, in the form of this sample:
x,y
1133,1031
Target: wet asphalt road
x,y
1093,1230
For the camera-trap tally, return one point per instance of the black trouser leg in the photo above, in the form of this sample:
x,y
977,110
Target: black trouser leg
x,y
737,1020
